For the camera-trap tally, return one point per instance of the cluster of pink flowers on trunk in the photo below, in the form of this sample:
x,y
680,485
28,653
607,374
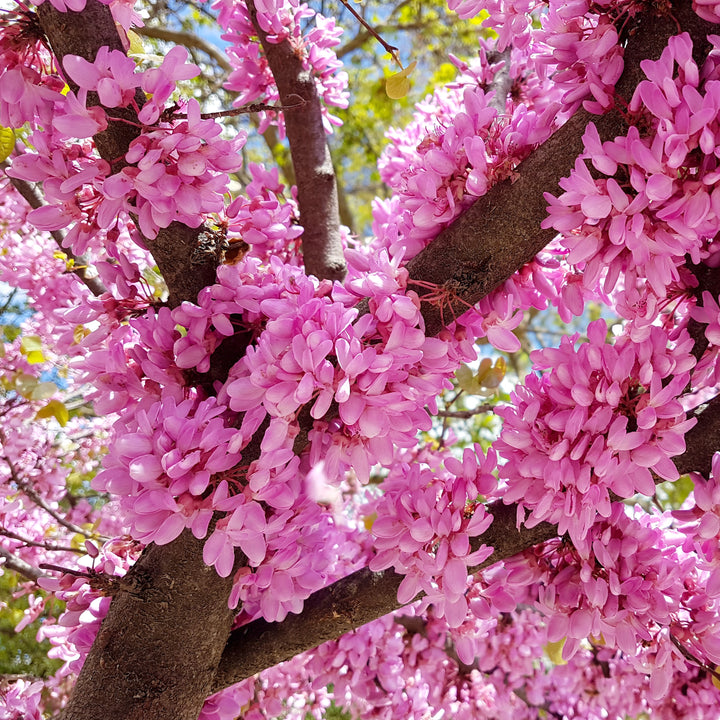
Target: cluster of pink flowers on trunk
x,y
176,169
600,419
426,519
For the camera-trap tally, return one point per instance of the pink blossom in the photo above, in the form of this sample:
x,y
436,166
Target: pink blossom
x,y
597,422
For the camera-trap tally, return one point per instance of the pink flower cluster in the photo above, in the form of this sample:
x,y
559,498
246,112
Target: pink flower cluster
x,y
162,462
701,525
412,663
292,553
176,170
647,216
456,148
178,173
425,522
577,43
308,351
251,77
583,51
21,699
601,419
629,584
263,218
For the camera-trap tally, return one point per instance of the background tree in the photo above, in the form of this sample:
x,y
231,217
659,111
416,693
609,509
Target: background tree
x,y
264,384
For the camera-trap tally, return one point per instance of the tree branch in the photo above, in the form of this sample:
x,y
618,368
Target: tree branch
x,y
351,602
702,441
50,545
189,40
11,562
33,495
501,231
317,191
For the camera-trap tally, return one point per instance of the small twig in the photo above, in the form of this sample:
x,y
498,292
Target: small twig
x,y
19,566
248,109
8,302
388,48
67,571
695,660
47,545
105,583
40,502
189,40
466,414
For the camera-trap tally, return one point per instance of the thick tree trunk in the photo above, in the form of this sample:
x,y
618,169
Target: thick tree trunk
x,y
156,654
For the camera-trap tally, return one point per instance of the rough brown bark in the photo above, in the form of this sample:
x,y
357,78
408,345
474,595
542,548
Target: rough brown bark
x,y
157,650
702,441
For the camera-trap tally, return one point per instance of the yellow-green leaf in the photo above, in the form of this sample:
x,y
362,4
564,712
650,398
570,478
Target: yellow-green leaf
x,y
715,680
56,409
30,343
397,86
35,357
43,390
466,379
554,651
7,142
31,348
136,43
25,384
484,369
